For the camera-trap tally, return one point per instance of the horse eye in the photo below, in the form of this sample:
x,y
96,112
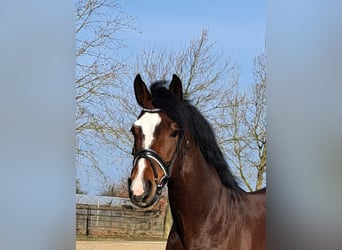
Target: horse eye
x,y
174,133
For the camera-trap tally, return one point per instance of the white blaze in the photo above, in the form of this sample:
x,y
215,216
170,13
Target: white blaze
x,y
147,122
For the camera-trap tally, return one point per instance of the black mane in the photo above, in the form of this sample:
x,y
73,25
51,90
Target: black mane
x,y
188,116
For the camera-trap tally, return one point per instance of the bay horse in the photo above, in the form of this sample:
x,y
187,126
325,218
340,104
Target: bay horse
x,y
175,145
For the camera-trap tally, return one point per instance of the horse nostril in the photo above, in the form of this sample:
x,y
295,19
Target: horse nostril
x,y
137,198
147,190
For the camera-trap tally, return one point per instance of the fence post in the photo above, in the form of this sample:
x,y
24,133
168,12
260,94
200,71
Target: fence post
x,y
88,220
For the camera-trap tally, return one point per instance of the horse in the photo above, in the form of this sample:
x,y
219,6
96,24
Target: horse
x,y
175,145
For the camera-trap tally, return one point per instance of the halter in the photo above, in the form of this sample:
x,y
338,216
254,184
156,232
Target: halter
x,y
151,156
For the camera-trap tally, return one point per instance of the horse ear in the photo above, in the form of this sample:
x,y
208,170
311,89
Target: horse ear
x,y
176,87
142,95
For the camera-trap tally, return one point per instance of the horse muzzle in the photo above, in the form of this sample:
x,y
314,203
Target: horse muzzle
x,y
147,198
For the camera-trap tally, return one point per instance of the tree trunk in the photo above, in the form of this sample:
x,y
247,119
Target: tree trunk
x,y
261,169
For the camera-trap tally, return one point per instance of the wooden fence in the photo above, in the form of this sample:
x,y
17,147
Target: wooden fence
x,y
118,221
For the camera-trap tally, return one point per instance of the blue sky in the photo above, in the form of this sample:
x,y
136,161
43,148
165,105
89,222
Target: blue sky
x,y
237,27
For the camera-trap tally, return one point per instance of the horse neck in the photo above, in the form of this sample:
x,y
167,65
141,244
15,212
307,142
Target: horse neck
x,y
196,184
204,209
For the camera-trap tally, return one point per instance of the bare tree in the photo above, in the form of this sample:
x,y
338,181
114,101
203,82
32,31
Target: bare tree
x,y
242,132
257,121
99,24
200,67
232,131
118,189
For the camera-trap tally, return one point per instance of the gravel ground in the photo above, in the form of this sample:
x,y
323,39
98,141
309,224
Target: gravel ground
x,y
120,244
